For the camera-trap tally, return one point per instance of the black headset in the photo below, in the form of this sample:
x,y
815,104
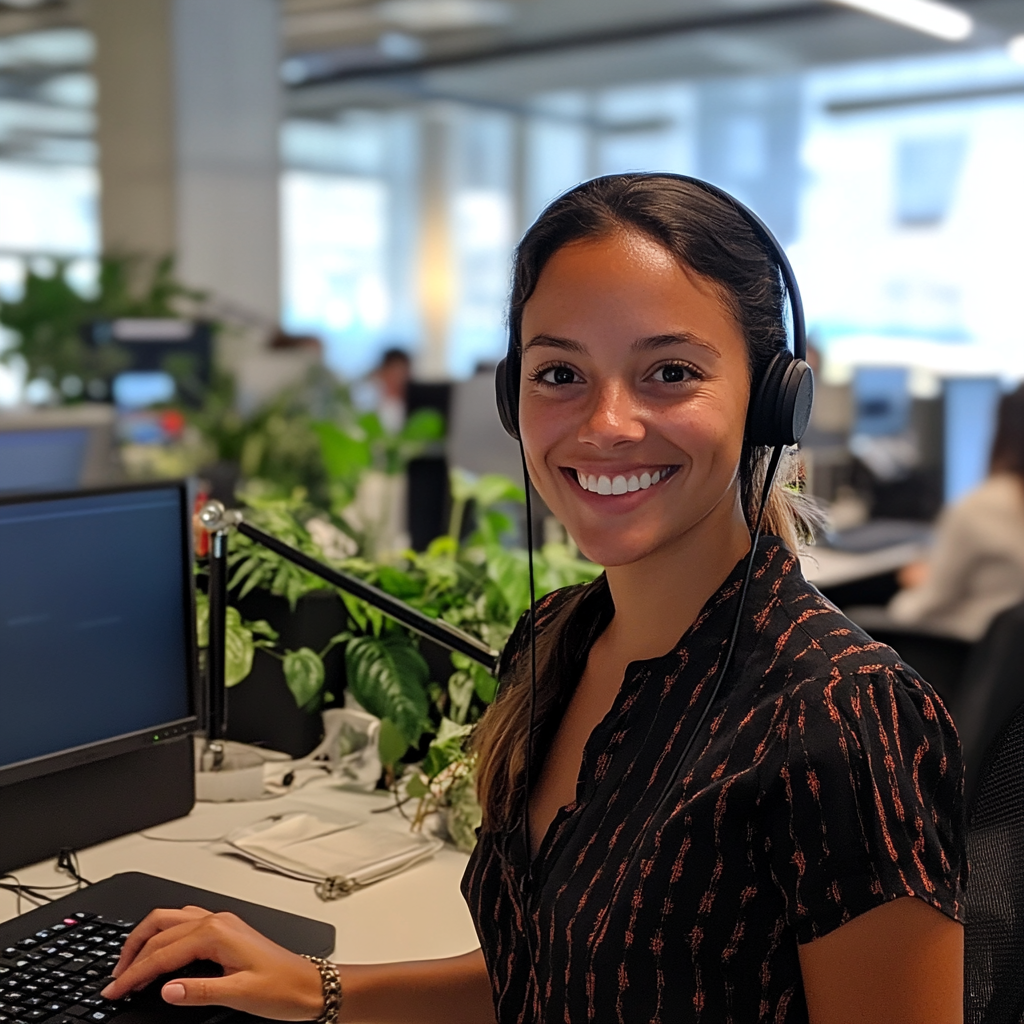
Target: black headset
x,y
780,407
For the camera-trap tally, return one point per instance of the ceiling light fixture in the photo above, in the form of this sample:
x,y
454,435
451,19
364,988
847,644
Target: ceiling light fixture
x,y
441,15
1015,48
929,16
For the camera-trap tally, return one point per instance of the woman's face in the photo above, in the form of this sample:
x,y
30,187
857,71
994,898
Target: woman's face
x,y
633,397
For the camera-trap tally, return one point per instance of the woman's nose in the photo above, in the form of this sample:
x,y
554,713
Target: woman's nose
x,y
615,417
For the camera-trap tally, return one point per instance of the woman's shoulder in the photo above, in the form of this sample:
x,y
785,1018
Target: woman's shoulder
x,y
829,670
808,627
817,649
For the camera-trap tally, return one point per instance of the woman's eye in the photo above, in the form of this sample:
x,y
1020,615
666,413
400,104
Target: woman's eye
x,y
672,373
559,375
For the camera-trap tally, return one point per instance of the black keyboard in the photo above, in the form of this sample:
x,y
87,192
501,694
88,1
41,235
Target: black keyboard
x,y
55,975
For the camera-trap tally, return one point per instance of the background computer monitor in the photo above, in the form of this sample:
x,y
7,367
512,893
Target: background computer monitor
x,y
881,401
97,666
176,356
57,449
970,405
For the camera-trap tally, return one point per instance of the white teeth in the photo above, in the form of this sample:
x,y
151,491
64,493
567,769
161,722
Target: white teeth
x,y
620,484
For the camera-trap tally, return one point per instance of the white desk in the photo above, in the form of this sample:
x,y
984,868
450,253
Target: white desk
x,y
825,567
415,915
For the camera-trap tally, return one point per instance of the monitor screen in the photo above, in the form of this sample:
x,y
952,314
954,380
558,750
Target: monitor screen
x,y
881,398
42,460
95,630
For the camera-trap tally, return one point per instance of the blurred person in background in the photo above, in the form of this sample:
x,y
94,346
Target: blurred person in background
x,y
976,568
392,381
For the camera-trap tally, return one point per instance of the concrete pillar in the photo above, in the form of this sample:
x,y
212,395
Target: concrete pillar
x,y
437,270
189,113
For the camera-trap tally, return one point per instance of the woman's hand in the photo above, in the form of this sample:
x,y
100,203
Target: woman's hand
x,y
260,977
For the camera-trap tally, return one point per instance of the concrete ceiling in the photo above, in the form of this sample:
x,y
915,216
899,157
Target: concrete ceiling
x,y
352,53
552,44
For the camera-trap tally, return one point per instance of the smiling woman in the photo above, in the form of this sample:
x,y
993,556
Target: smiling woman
x,y
738,807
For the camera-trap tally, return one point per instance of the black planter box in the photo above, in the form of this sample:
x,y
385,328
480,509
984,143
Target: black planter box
x,y
261,708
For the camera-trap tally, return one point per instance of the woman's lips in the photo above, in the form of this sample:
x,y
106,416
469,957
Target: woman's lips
x,y
621,483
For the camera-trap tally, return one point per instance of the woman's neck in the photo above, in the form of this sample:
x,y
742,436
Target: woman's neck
x,y
658,598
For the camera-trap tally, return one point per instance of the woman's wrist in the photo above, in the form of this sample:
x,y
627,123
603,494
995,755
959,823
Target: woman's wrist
x,y
324,1000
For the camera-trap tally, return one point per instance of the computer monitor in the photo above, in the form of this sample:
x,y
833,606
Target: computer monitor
x,y
162,357
970,407
881,401
97,666
57,449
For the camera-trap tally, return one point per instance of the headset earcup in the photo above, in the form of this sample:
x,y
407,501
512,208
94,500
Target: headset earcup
x,y
507,400
781,409
795,400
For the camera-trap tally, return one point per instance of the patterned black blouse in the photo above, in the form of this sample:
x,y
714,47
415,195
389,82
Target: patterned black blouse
x,y
826,781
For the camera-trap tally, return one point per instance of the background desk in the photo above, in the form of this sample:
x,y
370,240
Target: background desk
x,y
414,915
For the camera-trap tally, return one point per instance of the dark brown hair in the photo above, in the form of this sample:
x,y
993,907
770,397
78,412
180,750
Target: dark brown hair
x,y
1008,446
711,237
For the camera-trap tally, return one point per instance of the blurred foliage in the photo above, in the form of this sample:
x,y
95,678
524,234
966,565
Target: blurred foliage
x,y
47,319
480,585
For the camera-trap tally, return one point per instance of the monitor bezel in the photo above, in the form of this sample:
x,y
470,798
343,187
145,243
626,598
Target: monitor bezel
x,y
158,732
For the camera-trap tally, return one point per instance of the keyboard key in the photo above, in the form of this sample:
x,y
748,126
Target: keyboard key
x,y
78,1010
34,1015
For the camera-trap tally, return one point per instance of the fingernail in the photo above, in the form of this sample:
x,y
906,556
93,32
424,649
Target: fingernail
x,y
116,972
174,992
106,992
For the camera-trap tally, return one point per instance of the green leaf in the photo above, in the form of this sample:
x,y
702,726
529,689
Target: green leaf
x,y
423,425
238,649
416,787
460,693
263,628
398,583
391,744
446,748
484,684
304,674
388,676
344,456
202,620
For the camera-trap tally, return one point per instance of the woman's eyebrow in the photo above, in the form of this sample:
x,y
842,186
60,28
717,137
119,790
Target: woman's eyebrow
x,y
552,341
657,341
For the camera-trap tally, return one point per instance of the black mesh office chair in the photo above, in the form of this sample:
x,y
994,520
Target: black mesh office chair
x,y
994,938
990,691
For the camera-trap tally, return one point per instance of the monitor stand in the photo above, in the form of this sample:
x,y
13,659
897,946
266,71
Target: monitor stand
x,y
90,803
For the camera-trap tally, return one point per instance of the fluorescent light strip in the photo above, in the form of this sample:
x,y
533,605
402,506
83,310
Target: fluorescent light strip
x,y
928,16
1015,47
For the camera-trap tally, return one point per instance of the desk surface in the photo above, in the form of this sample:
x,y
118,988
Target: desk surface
x,y
414,915
826,567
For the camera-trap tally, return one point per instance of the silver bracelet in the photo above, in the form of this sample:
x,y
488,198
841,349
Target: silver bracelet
x,y
330,982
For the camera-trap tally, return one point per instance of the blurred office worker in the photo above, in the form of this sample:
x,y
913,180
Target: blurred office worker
x,y
976,568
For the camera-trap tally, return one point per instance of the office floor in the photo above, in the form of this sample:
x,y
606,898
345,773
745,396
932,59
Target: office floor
x,y
415,915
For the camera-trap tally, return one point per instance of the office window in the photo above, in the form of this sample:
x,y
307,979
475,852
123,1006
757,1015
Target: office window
x,y
927,175
334,235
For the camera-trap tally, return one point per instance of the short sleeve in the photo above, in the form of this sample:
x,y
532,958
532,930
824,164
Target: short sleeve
x,y
868,803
